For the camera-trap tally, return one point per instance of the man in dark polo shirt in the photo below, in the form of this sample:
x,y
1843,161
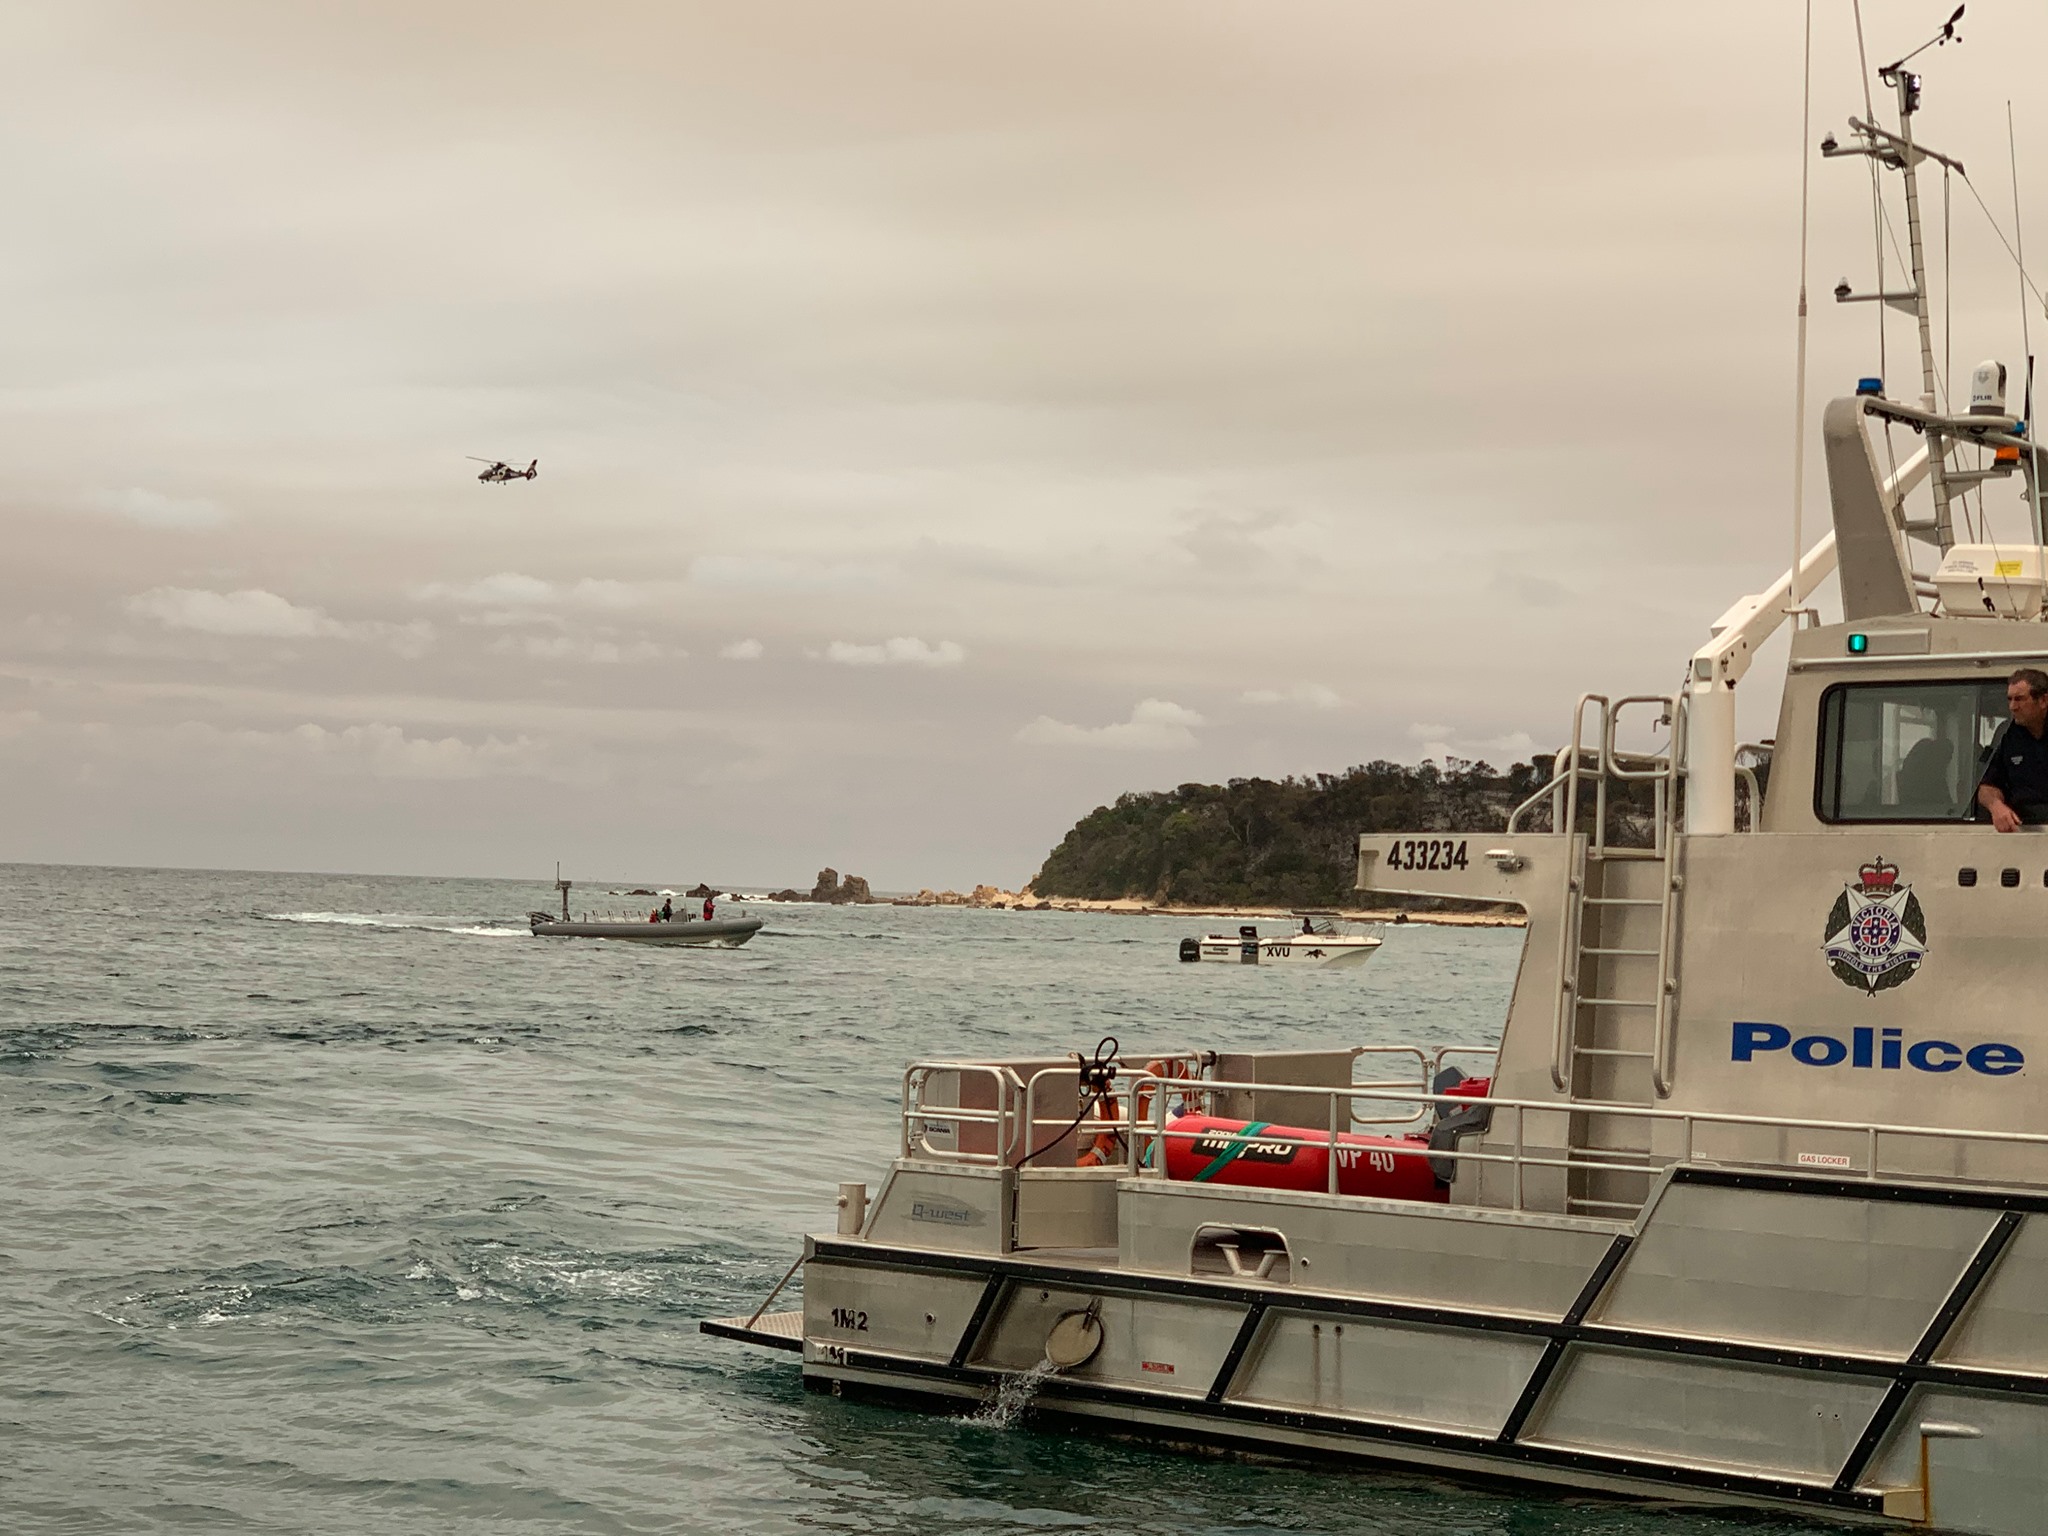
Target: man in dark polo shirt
x,y
2014,788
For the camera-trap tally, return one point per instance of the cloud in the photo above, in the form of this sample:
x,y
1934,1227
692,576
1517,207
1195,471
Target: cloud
x,y
1240,544
1442,741
387,752
903,651
511,589
741,650
756,573
576,648
1156,725
1307,695
251,611
1515,744
153,509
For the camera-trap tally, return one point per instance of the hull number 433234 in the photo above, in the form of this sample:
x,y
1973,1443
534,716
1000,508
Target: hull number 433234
x,y
1427,853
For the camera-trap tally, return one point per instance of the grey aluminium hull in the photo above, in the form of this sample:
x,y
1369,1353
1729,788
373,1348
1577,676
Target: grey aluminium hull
x,y
1624,1358
721,932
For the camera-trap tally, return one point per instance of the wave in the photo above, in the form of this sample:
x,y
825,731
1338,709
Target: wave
x,y
420,922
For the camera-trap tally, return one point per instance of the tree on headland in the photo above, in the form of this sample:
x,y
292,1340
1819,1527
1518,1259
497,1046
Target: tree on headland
x,y
1267,842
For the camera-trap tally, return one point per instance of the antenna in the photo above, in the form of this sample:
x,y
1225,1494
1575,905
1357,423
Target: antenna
x,y
1799,369
2026,337
1899,152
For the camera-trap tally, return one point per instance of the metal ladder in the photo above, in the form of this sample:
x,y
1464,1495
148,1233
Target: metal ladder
x,y
1617,963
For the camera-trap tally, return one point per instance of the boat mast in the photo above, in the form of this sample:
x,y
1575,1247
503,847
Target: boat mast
x,y
1902,154
1908,86
1717,666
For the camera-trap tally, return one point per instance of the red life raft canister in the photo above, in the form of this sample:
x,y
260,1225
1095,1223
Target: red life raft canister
x,y
1258,1155
1204,1148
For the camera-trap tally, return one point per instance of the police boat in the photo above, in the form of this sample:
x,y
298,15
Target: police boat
x,y
1749,1207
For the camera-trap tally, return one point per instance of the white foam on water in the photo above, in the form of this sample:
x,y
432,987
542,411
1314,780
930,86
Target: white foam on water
x,y
1013,1396
414,921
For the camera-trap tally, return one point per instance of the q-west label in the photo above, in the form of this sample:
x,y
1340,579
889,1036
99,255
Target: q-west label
x,y
1871,1047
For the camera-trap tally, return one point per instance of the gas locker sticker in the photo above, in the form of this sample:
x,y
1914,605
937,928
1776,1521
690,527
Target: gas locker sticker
x,y
1868,1048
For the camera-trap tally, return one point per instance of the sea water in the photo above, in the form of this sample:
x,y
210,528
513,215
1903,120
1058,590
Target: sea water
x,y
343,1204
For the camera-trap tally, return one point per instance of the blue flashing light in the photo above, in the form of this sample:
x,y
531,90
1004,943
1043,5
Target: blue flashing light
x,y
1858,644
1870,386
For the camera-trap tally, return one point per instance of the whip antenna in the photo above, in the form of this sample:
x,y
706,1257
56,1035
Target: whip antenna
x,y
1799,368
2012,156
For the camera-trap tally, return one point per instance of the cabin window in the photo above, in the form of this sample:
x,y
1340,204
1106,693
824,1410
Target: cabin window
x,y
1905,751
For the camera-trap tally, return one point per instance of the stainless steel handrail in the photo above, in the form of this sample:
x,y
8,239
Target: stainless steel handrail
x,y
1002,1115
1436,1057
1016,1119
1581,1159
1031,1120
1427,1065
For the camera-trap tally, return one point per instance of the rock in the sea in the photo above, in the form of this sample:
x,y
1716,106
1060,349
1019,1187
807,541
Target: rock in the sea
x,y
832,889
786,896
701,891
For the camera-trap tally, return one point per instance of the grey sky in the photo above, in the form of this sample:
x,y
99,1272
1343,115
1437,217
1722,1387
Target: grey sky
x,y
949,416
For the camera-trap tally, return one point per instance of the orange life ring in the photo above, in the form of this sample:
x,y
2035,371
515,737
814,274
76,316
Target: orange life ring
x,y
1166,1071
1107,1147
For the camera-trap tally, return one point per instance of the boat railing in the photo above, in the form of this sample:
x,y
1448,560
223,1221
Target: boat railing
x,y
1858,1148
1193,1078
991,1114
922,1120
987,1113
1603,763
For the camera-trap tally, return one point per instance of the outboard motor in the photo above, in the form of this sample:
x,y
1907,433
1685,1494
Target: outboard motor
x,y
1190,949
1454,1125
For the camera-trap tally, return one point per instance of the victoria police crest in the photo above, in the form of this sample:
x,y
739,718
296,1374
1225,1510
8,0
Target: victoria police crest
x,y
1876,934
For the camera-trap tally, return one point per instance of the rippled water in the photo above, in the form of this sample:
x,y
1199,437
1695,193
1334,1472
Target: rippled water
x,y
338,1203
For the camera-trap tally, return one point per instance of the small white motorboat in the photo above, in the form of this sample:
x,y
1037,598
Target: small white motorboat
x,y
1319,941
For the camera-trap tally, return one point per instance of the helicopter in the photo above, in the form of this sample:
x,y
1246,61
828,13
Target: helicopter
x,y
500,471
